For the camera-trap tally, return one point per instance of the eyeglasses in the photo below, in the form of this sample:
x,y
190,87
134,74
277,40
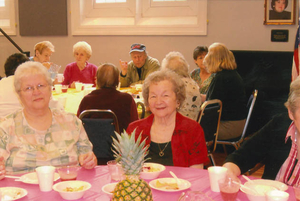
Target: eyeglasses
x,y
39,87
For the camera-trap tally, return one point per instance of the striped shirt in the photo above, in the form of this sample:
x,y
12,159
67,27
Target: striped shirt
x,y
289,172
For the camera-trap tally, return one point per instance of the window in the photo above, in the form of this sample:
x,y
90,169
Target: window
x,y
2,3
139,17
110,1
7,17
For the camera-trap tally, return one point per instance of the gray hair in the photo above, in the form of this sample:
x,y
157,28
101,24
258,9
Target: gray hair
x,y
30,68
176,62
219,57
293,101
161,75
82,45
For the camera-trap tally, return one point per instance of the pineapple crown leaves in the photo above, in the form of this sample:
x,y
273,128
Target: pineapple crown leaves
x,y
131,153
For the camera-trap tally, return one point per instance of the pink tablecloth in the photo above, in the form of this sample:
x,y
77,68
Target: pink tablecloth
x,y
99,176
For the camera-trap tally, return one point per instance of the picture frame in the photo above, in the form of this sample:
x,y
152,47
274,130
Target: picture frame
x,y
275,14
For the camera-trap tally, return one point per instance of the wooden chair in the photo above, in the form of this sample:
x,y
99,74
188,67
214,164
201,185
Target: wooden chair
x,y
209,119
236,142
100,126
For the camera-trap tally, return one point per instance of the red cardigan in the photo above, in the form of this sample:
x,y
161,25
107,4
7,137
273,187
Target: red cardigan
x,y
188,141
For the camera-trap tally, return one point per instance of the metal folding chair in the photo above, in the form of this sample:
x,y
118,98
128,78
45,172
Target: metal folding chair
x,y
209,119
100,126
236,142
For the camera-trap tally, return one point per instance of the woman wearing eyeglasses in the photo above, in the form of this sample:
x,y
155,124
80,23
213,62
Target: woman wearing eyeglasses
x,y
37,135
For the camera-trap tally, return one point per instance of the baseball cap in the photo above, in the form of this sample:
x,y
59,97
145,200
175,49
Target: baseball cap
x,y
136,47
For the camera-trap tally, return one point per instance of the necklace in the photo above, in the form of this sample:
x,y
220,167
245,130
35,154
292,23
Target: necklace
x,y
161,152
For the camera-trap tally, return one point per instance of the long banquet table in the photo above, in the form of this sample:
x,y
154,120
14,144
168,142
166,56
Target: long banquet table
x,y
73,98
99,176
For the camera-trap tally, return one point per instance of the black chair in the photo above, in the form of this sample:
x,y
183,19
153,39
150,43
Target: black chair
x,y
209,119
100,126
236,142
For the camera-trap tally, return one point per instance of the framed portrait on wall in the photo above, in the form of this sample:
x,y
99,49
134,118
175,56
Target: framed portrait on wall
x,y
280,12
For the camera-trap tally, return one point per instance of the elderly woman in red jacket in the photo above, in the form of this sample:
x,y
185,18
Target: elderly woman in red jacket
x,y
174,139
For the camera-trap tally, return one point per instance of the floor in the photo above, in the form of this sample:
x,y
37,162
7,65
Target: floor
x,y
220,158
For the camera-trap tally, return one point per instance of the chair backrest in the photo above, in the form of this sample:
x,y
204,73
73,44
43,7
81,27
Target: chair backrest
x,y
209,119
250,105
100,126
140,104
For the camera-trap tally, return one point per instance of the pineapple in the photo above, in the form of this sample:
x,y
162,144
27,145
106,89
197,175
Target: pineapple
x,y
130,154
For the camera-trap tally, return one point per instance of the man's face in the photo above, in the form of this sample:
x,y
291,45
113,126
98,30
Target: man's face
x,y
138,58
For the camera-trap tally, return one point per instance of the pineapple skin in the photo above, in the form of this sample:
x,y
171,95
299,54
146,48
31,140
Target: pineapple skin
x,y
132,188
131,154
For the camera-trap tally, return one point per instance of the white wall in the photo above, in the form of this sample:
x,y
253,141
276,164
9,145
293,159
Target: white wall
x,y
236,23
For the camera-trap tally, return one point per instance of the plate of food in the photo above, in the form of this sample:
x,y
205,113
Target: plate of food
x,y
151,170
260,183
169,184
12,193
31,178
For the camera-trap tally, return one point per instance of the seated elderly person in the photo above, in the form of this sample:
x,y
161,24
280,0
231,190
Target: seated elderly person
x,y
80,70
227,86
191,106
200,74
276,144
42,53
107,97
139,68
9,101
36,135
173,138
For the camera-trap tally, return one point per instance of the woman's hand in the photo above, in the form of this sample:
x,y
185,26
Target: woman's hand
x,y
2,168
124,67
72,85
47,64
233,171
88,160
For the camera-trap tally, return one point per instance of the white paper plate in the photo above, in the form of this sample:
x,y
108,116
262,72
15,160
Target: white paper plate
x,y
12,193
183,186
31,178
277,184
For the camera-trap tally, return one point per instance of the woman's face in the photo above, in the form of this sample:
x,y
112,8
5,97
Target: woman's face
x,y
206,61
162,99
35,92
81,56
44,56
199,61
279,6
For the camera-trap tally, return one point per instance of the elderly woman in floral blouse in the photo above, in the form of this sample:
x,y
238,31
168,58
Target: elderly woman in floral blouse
x,y
176,62
37,135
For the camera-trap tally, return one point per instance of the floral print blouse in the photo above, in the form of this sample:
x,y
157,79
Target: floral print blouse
x,y
203,85
192,103
25,148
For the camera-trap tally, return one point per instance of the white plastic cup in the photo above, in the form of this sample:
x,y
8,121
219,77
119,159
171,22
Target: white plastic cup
x,y
58,88
62,100
78,86
45,176
60,77
277,195
216,173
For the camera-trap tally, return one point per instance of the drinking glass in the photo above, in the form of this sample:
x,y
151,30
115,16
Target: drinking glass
x,y
228,189
53,70
297,192
194,196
